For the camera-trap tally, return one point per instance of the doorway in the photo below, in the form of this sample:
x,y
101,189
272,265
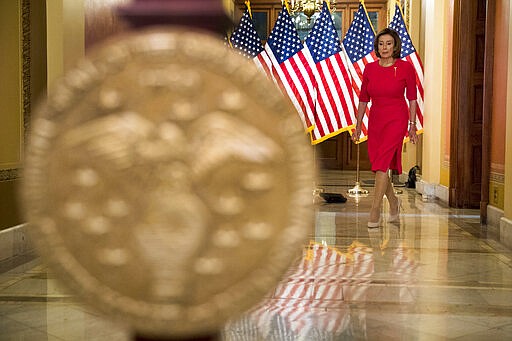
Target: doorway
x,y
471,101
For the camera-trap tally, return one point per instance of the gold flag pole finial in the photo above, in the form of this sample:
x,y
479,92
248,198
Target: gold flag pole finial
x,y
287,4
328,4
248,4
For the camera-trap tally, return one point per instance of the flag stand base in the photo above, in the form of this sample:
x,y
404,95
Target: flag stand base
x,y
316,195
357,190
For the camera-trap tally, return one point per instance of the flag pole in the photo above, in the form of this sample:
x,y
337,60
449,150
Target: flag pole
x,y
248,4
357,189
316,190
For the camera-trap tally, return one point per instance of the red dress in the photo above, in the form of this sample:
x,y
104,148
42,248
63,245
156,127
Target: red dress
x,y
389,112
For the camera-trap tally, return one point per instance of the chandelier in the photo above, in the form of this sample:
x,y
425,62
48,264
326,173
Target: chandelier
x,y
309,7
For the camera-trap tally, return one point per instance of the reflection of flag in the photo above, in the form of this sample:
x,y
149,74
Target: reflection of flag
x,y
358,47
325,275
404,261
291,69
410,54
246,40
335,108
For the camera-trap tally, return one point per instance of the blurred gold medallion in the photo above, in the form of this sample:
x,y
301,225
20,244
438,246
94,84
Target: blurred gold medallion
x,y
168,182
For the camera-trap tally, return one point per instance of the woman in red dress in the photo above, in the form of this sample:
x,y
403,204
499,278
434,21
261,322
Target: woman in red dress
x,y
384,83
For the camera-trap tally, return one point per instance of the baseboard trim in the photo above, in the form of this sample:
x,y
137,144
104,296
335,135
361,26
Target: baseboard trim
x,y
430,191
494,216
443,193
506,232
14,242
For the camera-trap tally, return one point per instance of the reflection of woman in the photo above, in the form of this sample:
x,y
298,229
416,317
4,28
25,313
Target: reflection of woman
x,y
384,82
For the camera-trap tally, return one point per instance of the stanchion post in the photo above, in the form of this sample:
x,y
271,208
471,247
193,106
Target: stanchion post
x,y
316,190
357,189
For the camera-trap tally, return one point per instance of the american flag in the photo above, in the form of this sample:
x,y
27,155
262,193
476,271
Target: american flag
x,y
358,48
410,54
335,107
246,40
290,67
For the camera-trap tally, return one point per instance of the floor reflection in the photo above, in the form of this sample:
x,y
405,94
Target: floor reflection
x,y
435,275
310,303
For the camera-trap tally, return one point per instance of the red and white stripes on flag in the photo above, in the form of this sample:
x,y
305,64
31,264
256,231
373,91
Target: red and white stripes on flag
x,y
357,47
263,62
291,70
335,107
410,54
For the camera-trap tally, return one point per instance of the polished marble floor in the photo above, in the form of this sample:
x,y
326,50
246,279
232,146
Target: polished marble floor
x,y
436,275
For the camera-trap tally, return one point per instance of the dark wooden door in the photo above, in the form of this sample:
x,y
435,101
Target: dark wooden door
x,y
467,105
340,153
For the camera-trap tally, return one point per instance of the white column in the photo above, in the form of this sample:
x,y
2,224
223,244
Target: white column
x,y
435,85
65,36
65,45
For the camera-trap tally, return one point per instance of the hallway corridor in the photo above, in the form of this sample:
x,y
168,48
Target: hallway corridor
x,y
436,275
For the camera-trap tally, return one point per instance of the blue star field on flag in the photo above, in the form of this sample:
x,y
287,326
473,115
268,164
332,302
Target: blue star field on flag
x,y
359,39
245,38
398,25
323,40
284,39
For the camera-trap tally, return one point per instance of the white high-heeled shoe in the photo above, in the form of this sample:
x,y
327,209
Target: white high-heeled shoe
x,y
374,225
393,218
